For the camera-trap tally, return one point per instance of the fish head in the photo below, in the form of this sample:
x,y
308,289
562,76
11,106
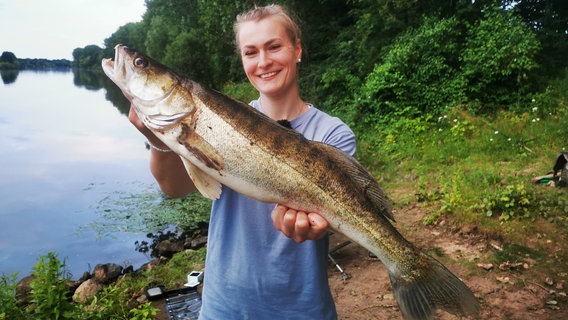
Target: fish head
x,y
146,83
139,76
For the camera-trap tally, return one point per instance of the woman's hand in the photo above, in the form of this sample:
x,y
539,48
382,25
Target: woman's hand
x,y
299,225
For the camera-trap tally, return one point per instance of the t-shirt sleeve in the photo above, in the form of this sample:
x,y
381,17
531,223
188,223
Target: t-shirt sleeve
x,y
341,137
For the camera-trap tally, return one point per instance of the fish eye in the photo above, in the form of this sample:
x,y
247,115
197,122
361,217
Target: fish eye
x,y
141,62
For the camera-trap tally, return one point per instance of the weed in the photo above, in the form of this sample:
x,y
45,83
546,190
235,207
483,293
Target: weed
x,y
49,294
508,202
143,312
516,253
9,308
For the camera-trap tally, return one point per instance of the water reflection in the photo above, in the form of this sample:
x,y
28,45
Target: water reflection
x,y
64,148
9,76
95,80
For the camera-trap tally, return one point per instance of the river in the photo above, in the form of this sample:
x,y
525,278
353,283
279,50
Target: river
x,y
68,155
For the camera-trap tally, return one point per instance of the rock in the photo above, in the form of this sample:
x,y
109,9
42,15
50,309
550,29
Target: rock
x,y
129,269
505,280
149,265
198,242
168,248
87,290
86,276
72,285
510,265
388,296
105,273
485,266
23,289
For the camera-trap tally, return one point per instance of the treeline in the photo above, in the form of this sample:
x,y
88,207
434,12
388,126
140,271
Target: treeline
x,y
9,61
371,61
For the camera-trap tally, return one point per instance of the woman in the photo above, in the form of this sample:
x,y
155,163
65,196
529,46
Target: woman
x,y
259,264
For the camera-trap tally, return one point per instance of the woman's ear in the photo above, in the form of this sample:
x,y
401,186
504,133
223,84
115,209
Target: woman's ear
x,y
298,51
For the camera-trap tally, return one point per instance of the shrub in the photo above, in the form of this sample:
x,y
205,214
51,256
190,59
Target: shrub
x,y
49,294
9,308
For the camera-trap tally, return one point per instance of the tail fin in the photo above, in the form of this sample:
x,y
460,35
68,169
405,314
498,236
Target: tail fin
x,y
419,295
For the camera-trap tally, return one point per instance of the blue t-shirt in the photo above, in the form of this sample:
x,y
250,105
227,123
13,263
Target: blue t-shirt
x,y
252,270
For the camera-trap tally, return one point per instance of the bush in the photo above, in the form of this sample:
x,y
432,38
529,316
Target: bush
x,y
419,71
499,53
9,308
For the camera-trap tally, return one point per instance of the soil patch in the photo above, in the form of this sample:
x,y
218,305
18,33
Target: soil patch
x,y
521,293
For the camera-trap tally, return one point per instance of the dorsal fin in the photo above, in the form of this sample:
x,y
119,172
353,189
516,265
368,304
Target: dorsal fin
x,y
363,180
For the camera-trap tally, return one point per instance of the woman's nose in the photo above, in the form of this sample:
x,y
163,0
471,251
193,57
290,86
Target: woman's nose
x,y
264,59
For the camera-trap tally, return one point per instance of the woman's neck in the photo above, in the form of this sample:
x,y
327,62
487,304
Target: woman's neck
x,y
283,108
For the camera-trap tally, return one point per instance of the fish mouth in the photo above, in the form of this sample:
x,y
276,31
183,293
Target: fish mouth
x,y
111,67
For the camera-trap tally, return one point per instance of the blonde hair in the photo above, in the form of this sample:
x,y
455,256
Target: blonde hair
x,y
260,13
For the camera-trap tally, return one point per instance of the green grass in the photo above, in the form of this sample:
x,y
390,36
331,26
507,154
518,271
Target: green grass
x,y
473,168
50,296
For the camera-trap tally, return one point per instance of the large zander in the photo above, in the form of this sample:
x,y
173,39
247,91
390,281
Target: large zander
x,y
223,141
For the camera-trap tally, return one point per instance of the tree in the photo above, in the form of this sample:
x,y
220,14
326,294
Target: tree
x,y
499,55
8,61
88,57
8,57
549,20
419,74
131,34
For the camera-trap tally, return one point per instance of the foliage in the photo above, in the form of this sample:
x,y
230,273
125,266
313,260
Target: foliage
x,y
49,294
9,308
364,59
477,169
243,91
419,71
549,20
116,300
498,56
113,302
508,202
150,212
174,274
87,57
8,61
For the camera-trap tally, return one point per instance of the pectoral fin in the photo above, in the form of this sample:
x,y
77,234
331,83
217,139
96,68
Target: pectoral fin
x,y
207,155
207,186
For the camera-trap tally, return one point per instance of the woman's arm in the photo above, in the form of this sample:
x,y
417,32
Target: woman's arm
x,y
166,167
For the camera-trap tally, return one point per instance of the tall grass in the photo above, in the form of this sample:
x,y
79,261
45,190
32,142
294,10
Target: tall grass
x,y
475,168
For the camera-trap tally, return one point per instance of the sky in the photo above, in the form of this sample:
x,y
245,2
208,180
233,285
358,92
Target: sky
x,y
52,29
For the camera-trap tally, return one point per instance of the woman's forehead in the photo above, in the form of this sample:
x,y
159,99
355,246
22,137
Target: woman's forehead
x,y
254,33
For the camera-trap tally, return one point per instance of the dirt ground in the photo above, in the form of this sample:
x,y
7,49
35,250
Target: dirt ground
x,y
525,292
521,293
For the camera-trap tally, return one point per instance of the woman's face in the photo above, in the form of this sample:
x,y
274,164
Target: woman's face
x,y
269,57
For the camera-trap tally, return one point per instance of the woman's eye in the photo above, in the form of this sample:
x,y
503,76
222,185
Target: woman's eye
x,y
141,62
274,47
